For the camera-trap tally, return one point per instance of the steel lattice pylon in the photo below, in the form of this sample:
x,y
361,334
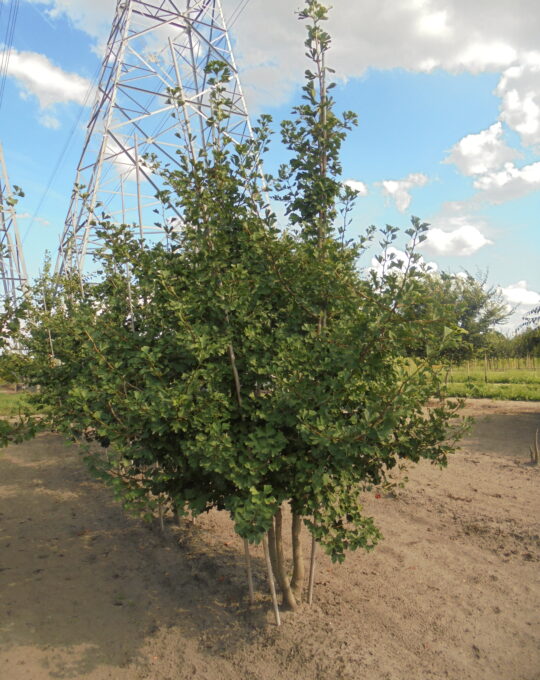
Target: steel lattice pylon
x,y
12,265
154,46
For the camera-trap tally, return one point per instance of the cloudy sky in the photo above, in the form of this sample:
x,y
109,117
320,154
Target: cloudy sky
x,y
447,93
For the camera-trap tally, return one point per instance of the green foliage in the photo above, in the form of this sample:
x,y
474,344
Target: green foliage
x,y
532,319
497,346
7,208
12,200
19,424
244,364
527,342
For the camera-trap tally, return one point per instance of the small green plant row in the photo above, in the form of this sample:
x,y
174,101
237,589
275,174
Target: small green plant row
x,y
481,390
515,377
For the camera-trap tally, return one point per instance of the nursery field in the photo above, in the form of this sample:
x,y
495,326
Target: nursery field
x,y
9,401
508,379
453,590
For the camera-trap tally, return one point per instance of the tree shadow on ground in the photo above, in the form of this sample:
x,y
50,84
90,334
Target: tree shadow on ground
x,y
88,585
515,434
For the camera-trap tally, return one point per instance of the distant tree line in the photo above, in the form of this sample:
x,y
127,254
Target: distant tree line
x,y
466,301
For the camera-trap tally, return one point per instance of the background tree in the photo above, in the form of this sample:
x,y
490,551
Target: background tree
x,y
469,304
526,343
497,345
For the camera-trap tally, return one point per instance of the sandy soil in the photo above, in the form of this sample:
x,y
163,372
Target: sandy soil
x,y
452,592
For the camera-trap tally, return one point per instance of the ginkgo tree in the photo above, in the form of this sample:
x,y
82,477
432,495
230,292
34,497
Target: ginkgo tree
x,y
244,364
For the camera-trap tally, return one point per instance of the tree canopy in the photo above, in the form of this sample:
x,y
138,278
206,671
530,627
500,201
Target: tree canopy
x,y
246,363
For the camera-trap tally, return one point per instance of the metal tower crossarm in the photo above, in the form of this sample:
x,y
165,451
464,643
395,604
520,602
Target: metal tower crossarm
x,y
155,47
12,264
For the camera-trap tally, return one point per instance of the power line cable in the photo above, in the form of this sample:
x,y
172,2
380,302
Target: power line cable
x,y
5,42
234,11
2,5
237,12
62,153
8,44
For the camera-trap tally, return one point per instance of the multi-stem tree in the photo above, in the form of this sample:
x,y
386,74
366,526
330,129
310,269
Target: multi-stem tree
x,y
245,365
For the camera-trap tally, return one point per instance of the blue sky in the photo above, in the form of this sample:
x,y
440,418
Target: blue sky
x,y
447,93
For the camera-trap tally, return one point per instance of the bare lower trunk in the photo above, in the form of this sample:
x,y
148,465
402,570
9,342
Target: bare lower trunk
x,y
312,570
289,600
291,588
271,580
272,550
249,572
297,581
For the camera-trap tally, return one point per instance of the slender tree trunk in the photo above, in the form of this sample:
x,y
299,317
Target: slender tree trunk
x,y
297,581
272,550
249,572
289,600
312,570
271,580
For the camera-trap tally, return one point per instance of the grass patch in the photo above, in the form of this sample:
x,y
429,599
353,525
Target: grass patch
x,y
487,381
10,402
505,377
483,390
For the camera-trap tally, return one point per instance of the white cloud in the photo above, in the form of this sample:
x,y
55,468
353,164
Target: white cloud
x,y
399,260
27,216
434,24
486,56
509,183
519,89
121,154
398,189
479,153
357,186
456,35
37,76
95,17
519,294
428,65
460,238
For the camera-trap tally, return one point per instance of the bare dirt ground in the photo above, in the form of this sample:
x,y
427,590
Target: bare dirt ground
x,y
452,592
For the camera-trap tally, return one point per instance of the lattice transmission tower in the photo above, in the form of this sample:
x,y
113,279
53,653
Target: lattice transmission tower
x,y
12,265
155,46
